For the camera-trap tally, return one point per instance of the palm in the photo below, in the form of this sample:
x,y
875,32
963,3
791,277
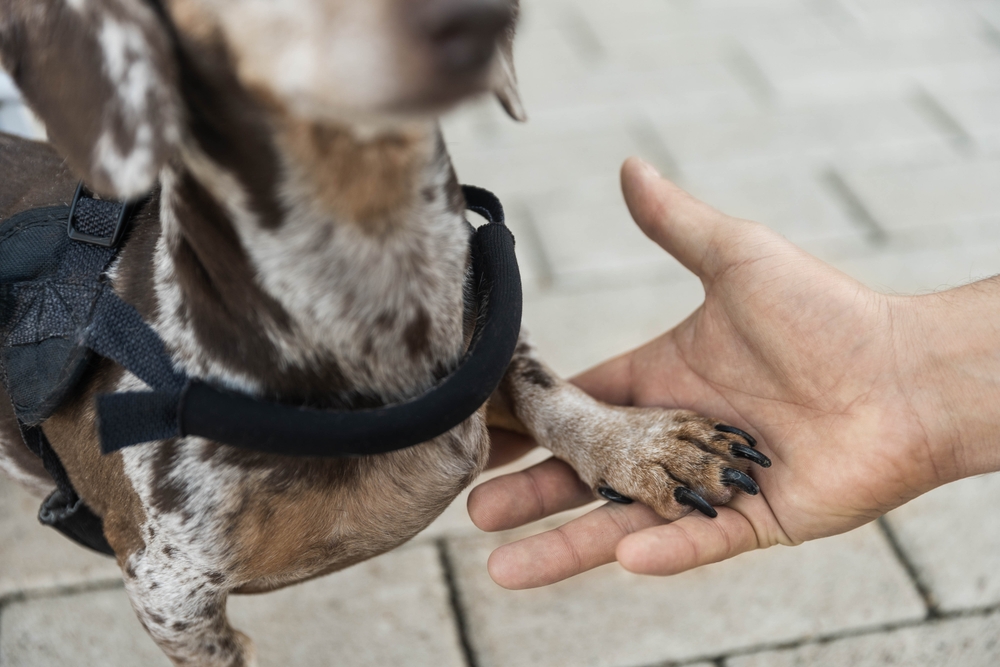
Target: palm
x,y
799,352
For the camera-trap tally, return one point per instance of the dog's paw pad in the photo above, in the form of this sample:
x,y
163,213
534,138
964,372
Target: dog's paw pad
x,y
680,462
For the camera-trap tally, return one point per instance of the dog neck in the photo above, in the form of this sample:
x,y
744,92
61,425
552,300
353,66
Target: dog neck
x,y
304,261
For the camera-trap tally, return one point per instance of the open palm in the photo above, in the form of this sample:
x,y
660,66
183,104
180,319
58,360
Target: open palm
x,y
809,360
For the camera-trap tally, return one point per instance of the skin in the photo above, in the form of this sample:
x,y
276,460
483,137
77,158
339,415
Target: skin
x,y
862,400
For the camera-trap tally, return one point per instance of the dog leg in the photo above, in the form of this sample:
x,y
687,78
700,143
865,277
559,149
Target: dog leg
x,y
671,460
183,608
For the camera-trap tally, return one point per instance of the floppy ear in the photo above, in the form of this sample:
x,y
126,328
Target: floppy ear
x,y
505,77
101,76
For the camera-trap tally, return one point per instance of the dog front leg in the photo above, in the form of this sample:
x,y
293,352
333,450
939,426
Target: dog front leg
x,y
671,460
183,608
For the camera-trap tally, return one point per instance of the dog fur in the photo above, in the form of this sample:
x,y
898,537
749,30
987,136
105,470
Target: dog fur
x,y
306,243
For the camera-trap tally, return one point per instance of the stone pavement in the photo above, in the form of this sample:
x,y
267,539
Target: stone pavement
x,y
867,131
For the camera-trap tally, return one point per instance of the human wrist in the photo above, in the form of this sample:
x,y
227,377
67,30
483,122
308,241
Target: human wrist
x,y
948,354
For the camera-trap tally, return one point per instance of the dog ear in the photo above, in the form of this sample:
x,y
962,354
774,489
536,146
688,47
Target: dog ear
x,y
101,75
505,76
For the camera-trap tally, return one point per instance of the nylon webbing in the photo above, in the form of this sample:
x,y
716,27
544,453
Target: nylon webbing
x,y
184,407
119,333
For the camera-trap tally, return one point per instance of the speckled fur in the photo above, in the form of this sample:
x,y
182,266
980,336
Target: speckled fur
x,y
305,244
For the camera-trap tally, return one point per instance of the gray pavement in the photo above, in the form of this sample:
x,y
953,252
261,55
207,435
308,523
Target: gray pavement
x,y
868,131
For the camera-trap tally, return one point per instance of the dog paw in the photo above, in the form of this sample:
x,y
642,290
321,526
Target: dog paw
x,y
675,461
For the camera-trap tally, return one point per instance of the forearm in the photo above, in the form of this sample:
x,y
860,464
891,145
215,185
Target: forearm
x,y
950,350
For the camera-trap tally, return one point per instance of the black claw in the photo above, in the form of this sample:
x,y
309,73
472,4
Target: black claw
x,y
744,452
688,497
740,480
732,430
608,493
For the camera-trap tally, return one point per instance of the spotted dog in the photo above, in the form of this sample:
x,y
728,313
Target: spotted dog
x,y
305,242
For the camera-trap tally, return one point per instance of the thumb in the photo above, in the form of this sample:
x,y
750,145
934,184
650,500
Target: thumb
x,y
690,230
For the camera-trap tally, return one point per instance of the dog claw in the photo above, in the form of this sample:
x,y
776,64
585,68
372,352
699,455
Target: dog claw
x,y
744,452
608,493
732,430
740,480
688,497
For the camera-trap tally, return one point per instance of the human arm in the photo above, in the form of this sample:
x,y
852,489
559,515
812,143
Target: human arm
x,y
862,400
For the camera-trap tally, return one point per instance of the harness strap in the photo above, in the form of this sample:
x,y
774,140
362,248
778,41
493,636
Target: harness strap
x,y
64,510
89,221
181,407
119,333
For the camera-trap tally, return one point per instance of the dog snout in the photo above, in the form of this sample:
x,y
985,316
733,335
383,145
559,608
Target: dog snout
x,y
463,33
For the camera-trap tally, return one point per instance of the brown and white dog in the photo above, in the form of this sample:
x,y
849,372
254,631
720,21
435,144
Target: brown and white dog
x,y
306,243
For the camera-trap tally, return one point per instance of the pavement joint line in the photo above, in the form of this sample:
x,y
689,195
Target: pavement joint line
x,y
537,255
853,205
749,72
820,640
46,592
912,572
454,598
991,32
931,109
582,37
644,133
837,14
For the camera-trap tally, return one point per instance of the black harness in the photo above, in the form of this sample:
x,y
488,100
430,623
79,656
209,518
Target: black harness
x,y
58,312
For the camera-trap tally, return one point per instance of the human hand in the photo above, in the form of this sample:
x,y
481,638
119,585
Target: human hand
x,y
820,368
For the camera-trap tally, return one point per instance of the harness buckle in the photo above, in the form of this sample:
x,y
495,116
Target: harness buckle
x,y
103,241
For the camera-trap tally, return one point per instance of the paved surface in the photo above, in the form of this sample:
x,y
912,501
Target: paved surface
x,y
867,131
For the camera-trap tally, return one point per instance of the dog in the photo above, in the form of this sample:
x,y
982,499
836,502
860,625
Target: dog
x,y
306,242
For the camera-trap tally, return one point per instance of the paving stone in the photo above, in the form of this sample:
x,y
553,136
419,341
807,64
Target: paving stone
x,y
901,199
877,130
85,629
952,539
611,618
552,151
977,113
968,642
965,77
15,118
33,556
576,330
788,196
938,262
563,66
590,240
871,69
8,90
393,610
907,19
559,179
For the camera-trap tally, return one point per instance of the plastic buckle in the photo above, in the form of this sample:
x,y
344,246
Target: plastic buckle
x,y
103,241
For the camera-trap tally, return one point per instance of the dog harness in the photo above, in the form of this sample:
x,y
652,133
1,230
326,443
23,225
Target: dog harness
x,y
58,312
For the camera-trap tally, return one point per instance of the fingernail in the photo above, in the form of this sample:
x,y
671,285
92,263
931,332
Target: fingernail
x,y
650,168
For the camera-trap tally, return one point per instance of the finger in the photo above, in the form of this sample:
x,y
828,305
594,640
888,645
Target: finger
x,y
683,226
687,543
529,495
578,546
507,447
